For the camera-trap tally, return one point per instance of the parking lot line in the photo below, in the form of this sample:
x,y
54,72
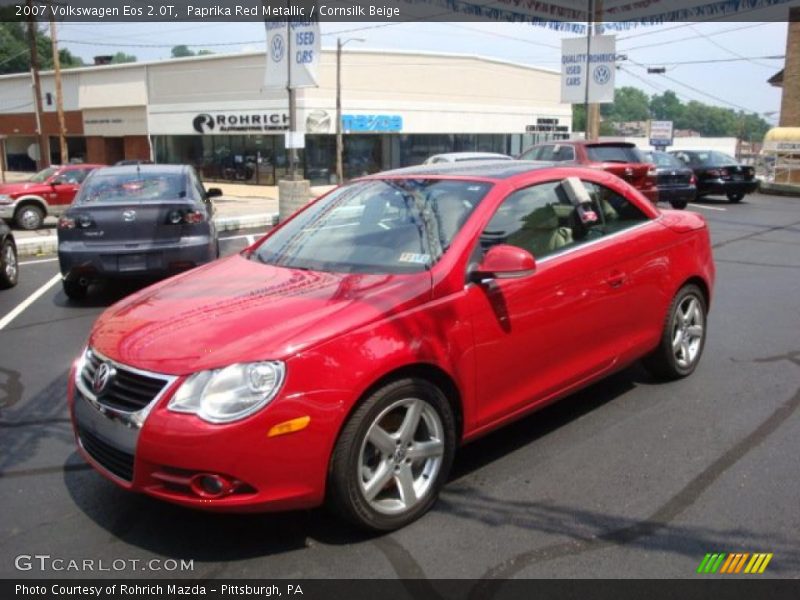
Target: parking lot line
x,y
39,261
29,300
707,207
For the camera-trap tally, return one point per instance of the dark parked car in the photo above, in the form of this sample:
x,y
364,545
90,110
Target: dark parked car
x,y
135,221
675,181
9,269
622,159
133,161
719,174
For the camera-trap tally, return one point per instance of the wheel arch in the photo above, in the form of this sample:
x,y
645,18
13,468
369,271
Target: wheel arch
x,y
35,200
418,370
702,284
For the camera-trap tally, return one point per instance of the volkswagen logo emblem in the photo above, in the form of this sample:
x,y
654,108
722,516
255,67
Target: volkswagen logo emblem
x,y
129,216
102,378
277,49
602,74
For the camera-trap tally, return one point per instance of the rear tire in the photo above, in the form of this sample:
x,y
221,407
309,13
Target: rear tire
x,y
393,456
9,265
734,198
683,337
29,217
74,289
679,204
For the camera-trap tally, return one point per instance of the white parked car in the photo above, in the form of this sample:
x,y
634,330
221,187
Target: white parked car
x,y
453,157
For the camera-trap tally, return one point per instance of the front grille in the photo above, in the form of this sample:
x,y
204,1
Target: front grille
x,y
114,460
128,390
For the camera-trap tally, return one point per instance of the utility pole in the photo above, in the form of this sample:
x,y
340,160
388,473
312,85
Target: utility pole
x,y
593,109
62,128
44,146
292,102
339,142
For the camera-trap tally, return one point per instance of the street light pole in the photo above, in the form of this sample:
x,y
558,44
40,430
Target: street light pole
x,y
339,142
62,129
44,147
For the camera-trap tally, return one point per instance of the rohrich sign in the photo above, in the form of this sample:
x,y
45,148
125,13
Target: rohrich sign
x,y
240,122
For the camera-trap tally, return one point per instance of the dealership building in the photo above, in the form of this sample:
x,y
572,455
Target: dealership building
x,y
214,112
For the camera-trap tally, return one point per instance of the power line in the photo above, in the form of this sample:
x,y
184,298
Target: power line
x,y
697,91
691,37
728,50
720,60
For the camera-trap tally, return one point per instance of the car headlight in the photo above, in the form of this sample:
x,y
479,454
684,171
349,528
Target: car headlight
x,y
6,199
229,394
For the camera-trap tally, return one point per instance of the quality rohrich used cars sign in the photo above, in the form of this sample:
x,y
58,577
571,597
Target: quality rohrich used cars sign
x,y
599,66
293,51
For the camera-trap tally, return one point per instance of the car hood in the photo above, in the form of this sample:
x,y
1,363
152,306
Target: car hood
x,y
238,310
26,187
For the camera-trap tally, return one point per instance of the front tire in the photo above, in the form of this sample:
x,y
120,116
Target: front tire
x,y
393,456
29,217
683,337
9,265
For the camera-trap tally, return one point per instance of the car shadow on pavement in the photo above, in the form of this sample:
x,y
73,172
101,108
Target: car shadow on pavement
x,y
105,293
213,537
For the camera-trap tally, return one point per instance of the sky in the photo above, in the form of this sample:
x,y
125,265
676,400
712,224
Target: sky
x,y
738,80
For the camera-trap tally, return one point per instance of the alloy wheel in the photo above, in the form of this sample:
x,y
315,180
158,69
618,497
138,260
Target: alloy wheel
x,y
401,456
10,263
688,329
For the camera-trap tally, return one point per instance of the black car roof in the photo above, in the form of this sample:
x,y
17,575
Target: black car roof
x,y
500,169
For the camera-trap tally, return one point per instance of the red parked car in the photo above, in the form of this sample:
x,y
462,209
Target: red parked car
x,y
48,193
346,355
622,159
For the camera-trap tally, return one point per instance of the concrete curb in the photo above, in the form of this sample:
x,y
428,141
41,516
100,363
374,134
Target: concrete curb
x,y
49,244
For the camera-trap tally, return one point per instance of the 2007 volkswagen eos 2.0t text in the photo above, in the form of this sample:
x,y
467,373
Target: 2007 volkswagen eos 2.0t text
x,y
345,356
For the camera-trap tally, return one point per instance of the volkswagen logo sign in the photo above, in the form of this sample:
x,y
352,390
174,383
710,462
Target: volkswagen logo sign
x,y
102,378
277,48
129,216
602,74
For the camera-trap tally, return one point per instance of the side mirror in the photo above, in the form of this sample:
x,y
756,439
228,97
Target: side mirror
x,y
213,193
504,262
57,181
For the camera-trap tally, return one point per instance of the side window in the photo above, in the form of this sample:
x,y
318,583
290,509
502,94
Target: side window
x,y
547,153
615,211
531,153
199,191
75,176
539,219
564,153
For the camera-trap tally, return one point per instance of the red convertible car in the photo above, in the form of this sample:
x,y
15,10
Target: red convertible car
x,y
345,356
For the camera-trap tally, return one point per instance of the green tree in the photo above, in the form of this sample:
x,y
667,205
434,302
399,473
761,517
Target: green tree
x,y
181,51
630,104
120,58
666,107
15,54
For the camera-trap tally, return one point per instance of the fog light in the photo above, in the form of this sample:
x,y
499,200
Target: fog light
x,y
209,485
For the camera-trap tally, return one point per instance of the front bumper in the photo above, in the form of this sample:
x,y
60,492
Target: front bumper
x,y
726,186
167,451
7,211
98,261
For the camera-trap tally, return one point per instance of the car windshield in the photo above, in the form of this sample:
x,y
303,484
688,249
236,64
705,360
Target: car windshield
x,y
715,159
662,159
375,226
43,175
612,153
132,187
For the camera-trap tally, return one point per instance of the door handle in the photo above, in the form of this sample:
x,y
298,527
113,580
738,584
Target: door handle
x,y
616,279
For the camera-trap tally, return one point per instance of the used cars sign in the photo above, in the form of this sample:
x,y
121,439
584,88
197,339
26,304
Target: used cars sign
x,y
598,64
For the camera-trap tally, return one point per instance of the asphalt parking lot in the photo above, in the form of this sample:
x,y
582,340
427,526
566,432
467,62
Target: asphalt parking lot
x,y
629,478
